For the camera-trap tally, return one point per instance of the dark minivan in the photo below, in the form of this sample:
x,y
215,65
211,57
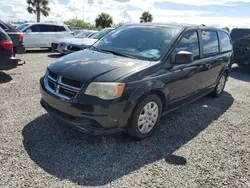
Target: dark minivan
x,y
133,75
241,46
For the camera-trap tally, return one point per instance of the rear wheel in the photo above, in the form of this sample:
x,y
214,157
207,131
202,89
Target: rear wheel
x,y
145,117
220,85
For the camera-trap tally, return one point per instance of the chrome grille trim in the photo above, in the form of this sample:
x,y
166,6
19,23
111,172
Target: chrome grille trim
x,y
58,84
68,86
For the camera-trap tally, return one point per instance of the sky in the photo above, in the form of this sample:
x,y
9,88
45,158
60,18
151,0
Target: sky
x,y
220,13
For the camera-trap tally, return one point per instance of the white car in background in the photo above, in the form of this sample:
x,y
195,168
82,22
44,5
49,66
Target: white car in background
x,y
41,35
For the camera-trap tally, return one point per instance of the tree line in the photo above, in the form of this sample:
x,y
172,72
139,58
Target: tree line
x,y
103,20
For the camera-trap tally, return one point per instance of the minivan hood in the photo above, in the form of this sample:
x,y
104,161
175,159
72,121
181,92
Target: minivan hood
x,y
87,65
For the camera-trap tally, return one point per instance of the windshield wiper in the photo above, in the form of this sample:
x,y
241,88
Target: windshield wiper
x,y
114,52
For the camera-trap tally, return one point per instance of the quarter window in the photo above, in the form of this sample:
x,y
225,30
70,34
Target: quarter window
x,y
60,28
210,43
225,42
190,43
3,27
46,28
34,28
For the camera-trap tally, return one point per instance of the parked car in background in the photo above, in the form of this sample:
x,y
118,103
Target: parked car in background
x,y
76,45
241,46
78,37
7,60
16,25
41,35
134,74
76,32
16,37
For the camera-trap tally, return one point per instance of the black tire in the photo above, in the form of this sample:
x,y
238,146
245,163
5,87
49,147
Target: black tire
x,y
133,128
217,93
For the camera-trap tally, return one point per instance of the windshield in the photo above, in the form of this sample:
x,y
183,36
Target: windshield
x,y
142,42
83,34
22,26
98,35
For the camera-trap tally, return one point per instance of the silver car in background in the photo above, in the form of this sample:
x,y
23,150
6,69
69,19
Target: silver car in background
x,y
77,45
63,42
41,35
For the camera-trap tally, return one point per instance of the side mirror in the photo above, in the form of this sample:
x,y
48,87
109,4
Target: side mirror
x,y
183,57
28,31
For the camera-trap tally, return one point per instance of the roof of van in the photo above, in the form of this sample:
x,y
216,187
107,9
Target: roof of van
x,y
178,25
45,23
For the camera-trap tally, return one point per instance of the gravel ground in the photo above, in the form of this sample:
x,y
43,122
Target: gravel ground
x,y
204,144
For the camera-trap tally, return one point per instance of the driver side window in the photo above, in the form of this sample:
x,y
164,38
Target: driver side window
x,y
190,43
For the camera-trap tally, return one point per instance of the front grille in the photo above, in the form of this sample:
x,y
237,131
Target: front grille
x,y
52,75
74,48
54,45
71,82
51,85
61,86
66,92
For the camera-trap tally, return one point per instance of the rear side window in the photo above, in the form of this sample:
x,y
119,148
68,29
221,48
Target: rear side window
x,y
3,26
190,43
34,28
210,43
225,42
60,28
46,28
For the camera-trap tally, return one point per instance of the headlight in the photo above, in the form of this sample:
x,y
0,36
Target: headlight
x,y
105,90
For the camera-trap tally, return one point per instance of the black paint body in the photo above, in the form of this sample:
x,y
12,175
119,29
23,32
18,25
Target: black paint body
x,y
176,85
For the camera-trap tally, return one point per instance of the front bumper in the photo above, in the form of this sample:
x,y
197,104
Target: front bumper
x,y
88,116
8,63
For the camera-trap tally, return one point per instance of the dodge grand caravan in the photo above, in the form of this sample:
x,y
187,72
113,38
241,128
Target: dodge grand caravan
x,y
133,75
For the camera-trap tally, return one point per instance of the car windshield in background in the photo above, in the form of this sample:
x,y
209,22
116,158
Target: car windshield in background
x,y
83,34
22,26
98,35
142,42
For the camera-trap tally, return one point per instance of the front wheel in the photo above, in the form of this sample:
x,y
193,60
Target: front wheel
x,y
220,86
145,117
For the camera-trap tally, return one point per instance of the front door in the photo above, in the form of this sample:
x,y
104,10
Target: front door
x,y
185,77
32,37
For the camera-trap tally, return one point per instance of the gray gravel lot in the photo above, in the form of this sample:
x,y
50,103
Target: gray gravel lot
x,y
204,144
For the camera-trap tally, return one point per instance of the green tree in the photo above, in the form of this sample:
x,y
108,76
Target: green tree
x,y
226,28
38,7
146,17
103,20
117,24
75,22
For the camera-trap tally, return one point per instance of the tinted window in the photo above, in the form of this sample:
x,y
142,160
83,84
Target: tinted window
x,y
3,27
59,28
83,34
46,28
190,43
225,42
22,26
34,28
143,42
210,43
239,33
100,34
